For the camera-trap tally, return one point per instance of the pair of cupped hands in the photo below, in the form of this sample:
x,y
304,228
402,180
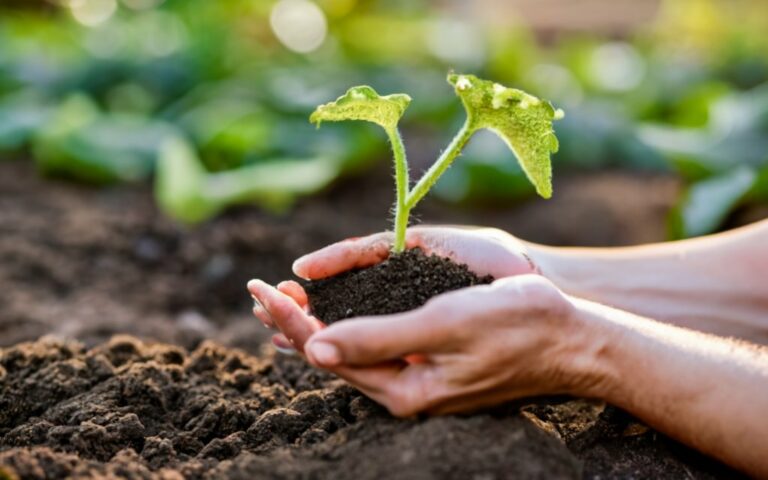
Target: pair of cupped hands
x,y
461,351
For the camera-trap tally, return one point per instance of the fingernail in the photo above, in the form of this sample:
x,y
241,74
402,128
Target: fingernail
x,y
298,266
252,284
324,354
285,351
282,346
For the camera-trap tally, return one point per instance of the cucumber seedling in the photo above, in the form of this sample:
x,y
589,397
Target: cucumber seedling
x,y
523,121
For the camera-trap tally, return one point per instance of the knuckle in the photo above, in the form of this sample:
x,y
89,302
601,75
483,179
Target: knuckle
x,y
539,290
279,309
432,389
401,402
536,293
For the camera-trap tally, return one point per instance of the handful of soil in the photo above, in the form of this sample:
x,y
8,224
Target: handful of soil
x,y
403,282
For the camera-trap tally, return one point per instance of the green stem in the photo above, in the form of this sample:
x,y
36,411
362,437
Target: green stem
x,y
402,211
440,166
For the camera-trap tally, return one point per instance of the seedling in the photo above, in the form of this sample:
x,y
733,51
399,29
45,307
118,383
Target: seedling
x,y
523,121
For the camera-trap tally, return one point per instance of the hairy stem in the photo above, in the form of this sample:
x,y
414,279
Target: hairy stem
x,y
440,166
402,211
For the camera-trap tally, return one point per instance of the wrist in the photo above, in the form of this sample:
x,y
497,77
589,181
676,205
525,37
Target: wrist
x,y
577,272
591,338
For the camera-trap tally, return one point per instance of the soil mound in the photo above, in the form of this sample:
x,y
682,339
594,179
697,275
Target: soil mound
x,y
403,282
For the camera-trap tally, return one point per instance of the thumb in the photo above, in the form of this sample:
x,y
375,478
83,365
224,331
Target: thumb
x,y
345,255
372,340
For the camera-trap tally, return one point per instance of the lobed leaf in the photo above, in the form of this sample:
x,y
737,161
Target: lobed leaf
x,y
523,121
363,103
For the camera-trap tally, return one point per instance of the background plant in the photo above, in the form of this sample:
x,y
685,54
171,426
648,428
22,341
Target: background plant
x,y
681,95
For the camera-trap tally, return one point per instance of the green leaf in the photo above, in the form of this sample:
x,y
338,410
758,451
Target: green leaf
x,y
186,191
86,145
759,190
363,103
180,183
523,121
709,202
21,115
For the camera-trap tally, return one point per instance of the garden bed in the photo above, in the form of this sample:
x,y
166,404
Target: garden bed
x,y
194,390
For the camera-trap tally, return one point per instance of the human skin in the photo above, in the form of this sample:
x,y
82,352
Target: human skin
x,y
544,327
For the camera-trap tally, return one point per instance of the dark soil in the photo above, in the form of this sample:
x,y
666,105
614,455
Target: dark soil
x,y
130,408
137,410
196,392
403,282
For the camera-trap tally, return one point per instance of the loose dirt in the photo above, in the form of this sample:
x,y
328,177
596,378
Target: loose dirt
x,y
402,282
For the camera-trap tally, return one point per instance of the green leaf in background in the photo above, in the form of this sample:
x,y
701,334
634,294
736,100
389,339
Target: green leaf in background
x,y
83,144
21,116
735,136
187,192
241,98
708,202
759,190
523,121
363,103
228,129
180,181
484,176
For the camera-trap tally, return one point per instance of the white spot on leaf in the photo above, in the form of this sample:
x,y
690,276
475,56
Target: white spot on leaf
x,y
463,83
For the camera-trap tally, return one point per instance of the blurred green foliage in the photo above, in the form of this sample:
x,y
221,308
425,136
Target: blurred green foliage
x,y
219,92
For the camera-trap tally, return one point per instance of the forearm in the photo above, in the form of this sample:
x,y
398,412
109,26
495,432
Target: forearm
x,y
708,392
715,284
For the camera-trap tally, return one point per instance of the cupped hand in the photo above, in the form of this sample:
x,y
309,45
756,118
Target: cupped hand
x,y
476,347
486,251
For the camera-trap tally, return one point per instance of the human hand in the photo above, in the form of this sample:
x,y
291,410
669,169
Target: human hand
x,y
470,348
486,251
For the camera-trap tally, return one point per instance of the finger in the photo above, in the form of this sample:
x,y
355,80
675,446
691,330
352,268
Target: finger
x,y
262,314
461,246
292,321
368,341
282,344
355,379
359,252
471,403
404,390
375,378
346,255
374,381
295,291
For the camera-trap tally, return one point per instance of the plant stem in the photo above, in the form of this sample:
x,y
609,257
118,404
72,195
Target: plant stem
x,y
402,211
440,166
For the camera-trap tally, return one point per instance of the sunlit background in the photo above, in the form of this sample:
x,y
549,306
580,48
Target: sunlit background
x,y
91,90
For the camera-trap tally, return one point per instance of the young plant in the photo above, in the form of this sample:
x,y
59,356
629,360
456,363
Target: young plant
x,y
523,121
